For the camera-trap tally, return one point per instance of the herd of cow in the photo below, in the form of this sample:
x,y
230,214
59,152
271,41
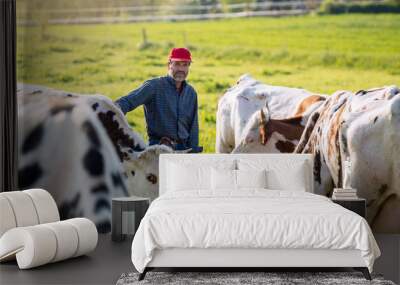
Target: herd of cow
x,y
82,149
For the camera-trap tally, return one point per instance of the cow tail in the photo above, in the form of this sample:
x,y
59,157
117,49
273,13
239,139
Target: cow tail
x,y
305,137
344,152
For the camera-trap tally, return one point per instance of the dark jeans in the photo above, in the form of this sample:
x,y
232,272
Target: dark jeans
x,y
179,146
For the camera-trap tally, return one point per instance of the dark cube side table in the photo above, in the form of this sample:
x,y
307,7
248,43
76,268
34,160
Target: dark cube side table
x,y
357,205
127,212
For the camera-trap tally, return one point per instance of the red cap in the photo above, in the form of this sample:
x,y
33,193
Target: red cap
x,y
180,54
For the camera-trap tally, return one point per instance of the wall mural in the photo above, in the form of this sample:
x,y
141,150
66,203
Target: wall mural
x,y
239,87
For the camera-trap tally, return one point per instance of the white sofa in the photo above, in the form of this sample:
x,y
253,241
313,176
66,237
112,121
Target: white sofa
x,y
31,231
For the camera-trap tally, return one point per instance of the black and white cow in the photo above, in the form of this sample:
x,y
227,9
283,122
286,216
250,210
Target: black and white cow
x,y
82,150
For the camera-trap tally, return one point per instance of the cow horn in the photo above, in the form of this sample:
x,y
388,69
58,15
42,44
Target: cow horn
x,y
268,110
263,128
153,150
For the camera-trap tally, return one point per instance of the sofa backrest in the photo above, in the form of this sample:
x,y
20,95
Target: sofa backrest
x,y
285,165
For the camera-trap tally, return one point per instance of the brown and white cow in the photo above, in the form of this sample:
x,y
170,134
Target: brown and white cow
x,y
264,134
365,128
237,109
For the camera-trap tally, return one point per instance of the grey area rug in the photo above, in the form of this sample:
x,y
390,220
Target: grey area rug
x,y
273,278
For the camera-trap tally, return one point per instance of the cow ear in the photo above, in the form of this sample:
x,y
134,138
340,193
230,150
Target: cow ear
x,y
393,90
267,111
133,155
144,153
262,127
153,150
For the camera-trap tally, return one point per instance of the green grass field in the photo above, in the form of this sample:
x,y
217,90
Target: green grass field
x,y
320,53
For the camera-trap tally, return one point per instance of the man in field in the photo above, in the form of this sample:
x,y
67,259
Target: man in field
x,y
170,105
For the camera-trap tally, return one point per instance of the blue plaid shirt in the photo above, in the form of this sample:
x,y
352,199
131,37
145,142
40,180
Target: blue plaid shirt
x,y
168,113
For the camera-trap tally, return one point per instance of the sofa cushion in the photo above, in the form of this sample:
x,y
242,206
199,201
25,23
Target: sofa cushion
x,y
45,243
7,215
27,208
23,208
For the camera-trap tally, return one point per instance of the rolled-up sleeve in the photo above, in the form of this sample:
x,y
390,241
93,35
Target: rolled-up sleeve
x,y
194,129
137,97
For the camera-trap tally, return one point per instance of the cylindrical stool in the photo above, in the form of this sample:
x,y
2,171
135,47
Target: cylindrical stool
x,y
127,212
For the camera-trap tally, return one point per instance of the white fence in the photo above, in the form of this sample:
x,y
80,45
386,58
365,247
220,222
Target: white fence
x,y
167,12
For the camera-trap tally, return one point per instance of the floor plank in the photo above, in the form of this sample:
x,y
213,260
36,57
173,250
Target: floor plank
x,y
102,266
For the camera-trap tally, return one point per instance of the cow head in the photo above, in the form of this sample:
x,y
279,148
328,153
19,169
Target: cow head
x,y
141,170
247,97
235,109
225,140
266,135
